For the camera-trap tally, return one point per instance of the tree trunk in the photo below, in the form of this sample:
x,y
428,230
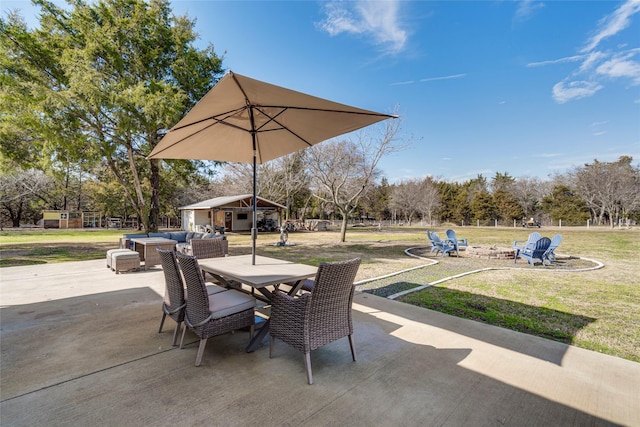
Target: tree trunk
x,y
154,211
343,229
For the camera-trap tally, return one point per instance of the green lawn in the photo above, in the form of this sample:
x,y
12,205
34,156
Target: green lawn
x,y
597,309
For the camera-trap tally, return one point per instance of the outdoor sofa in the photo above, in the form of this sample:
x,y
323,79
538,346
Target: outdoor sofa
x,y
181,237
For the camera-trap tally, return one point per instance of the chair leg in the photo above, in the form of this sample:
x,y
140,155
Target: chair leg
x,y
203,344
307,365
175,334
272,340
353,349
164,316
184,332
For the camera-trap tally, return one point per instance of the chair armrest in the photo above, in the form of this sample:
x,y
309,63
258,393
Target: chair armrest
x,y
290,302
288,312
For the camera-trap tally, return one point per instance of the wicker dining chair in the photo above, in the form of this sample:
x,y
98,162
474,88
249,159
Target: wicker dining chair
x,y
209,248
319,317
211,315
174,302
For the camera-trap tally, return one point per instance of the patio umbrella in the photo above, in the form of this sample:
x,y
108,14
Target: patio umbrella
x,y
249,121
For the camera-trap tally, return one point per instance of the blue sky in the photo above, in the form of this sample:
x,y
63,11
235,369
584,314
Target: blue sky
x,y
526,87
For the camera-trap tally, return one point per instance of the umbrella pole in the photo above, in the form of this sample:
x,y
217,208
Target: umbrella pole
x,y
254,231
255,213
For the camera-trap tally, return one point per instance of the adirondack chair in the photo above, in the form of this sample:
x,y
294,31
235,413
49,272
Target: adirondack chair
x,y
519,245
549,255
434,246
455,242
535,250
439,245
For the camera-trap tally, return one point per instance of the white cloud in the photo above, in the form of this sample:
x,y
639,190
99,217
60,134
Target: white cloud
x,y
454,76
376,19
526,8
612,24
408,82
563,91
621,66
556,61
429,79
598,66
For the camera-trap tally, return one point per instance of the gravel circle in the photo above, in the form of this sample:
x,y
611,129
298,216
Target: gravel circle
x,y
449,266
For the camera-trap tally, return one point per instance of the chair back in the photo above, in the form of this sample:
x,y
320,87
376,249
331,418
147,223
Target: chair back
x,y
209,248
331,300
555,242
451,235
198,311
533,237
429,236
540,246
174,301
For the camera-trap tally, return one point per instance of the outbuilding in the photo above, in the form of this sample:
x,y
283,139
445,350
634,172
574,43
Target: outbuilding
x,y
234,213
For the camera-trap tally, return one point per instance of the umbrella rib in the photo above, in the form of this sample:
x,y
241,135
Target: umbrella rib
x,y
218,118
328,110
274,120
182,139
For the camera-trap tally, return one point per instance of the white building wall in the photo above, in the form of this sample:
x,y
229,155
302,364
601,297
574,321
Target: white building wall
x,y
201,218
188,219
242,224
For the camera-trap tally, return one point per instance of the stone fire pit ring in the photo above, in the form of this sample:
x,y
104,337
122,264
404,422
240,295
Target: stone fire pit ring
x,y
490,252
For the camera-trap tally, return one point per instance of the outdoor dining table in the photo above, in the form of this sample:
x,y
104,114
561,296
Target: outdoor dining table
x,y
146,247
261,276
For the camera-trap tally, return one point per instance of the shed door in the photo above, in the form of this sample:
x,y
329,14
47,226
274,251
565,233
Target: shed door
x,y
227,221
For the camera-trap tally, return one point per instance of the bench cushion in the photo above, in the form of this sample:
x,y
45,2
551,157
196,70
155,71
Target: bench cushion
x,y
125,255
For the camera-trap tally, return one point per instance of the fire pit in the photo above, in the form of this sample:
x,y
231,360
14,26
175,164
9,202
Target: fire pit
x,y
490,252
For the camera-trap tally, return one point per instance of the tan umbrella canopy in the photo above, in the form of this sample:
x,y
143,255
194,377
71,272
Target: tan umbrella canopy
x,y
249,121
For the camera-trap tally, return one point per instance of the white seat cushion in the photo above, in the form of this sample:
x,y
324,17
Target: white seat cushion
x,y
125,255
230,302
214,289
211,290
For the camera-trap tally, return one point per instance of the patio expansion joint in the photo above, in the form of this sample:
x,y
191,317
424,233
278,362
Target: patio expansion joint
x,y
88,374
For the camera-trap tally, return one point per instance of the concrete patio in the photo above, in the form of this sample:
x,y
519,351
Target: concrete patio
x,y
79,346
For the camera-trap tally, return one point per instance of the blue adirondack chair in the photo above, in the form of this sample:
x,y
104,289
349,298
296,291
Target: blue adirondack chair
x,y
519,245
550,255
453,240
535,250
430,238
440,245
436,243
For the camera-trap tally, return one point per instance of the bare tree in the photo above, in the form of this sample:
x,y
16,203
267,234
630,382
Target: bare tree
x,y
416,197
529,193
429,200
18,189
405,198
610,189
343,169
280,180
